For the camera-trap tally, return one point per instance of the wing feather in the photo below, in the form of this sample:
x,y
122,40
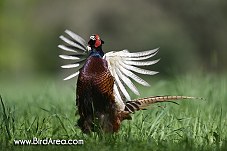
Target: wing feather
x,y
138,54
71,43
122,88
141,63
138,70
66,48
122,64
76,43
71,65
142,58
76,37
72,75
118,98
69,57
128,82
134,77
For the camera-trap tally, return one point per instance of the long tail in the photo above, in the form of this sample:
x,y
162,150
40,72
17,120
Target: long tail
x,y
142,103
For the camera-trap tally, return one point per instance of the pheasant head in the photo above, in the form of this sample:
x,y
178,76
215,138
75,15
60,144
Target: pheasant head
x,y
95,44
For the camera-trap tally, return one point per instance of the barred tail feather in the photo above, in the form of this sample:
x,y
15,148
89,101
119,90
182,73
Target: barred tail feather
x,y
142,103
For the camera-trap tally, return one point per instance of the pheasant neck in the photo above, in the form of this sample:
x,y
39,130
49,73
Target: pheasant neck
x,y
97,52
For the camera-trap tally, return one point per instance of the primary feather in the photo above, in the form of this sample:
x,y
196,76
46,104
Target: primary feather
x,y
119,60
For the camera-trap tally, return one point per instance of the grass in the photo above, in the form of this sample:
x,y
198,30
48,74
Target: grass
x,y
46,109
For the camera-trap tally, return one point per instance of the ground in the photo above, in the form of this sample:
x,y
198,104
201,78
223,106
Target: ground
x,y
45,108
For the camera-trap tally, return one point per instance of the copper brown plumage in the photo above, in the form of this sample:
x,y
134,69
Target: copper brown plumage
x,y
101,97
95,99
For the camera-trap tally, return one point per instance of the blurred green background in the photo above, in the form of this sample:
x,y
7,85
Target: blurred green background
x,y
191,34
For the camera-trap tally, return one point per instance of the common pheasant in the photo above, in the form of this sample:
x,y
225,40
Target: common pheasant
x,y
101,96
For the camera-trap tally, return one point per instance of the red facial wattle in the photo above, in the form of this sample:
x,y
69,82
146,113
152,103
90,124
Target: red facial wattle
x,y
98,41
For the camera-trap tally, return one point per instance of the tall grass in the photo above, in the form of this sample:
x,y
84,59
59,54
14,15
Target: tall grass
x,y
46,109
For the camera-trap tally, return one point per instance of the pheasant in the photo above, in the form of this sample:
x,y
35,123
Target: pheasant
x,y
101,96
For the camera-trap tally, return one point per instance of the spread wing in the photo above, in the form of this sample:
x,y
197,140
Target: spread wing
x,y
123,65
77,52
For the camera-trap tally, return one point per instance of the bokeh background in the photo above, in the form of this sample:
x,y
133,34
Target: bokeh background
x,y
191,34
